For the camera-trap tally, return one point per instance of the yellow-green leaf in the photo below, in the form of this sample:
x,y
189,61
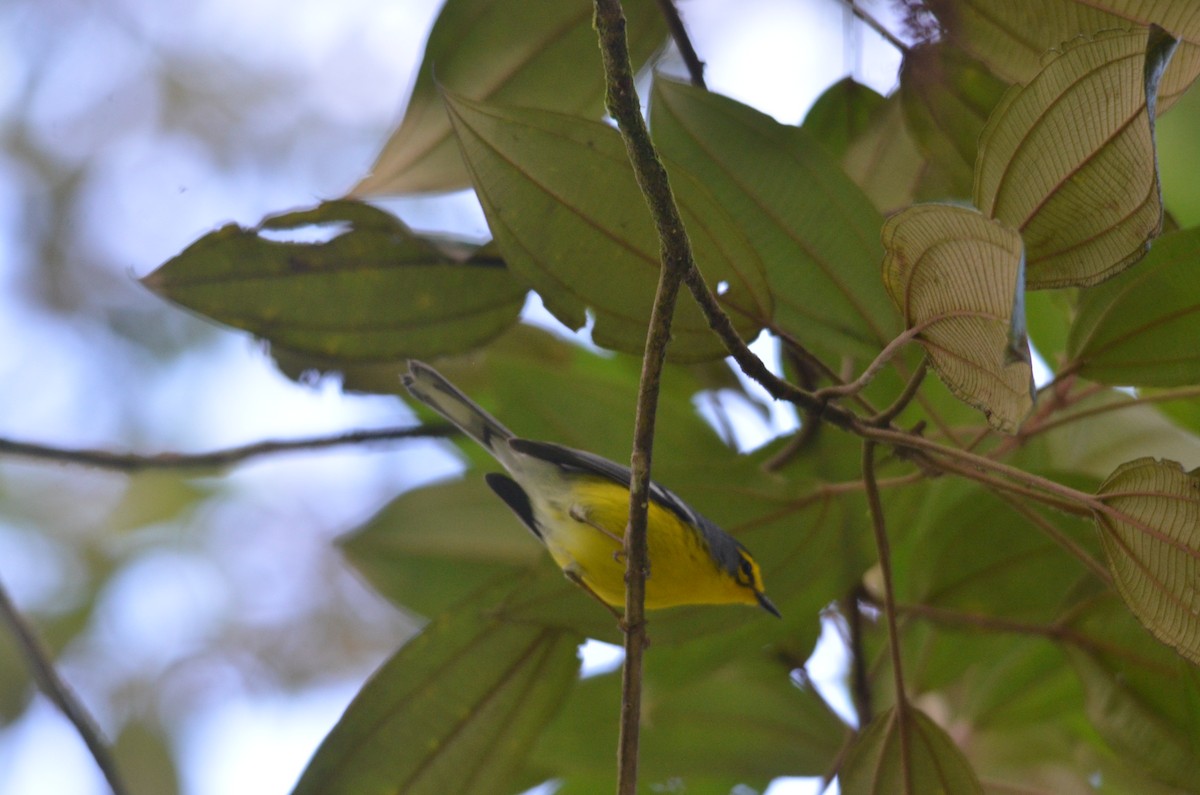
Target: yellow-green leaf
x,y
561,199
878,152
1151,535
958,276
1143,699
1012,36
516,52
877,763
816,230
1069,159
430,548
455,710
782,728
947,97
1141,328
373,291
1181,18
842,114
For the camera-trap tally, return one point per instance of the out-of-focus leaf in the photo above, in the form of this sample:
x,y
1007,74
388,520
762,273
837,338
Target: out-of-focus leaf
x,y
431,547
935,766
1104,431
1175,136
782,729
881,157
1142,697
515,52
1012,36
156,496
1069,159
567,214
1141,328
1153,547
972,552
816,232
959,275
844,113
144,759
1181,19
1048,315
455,710
375,291
16,685
947,97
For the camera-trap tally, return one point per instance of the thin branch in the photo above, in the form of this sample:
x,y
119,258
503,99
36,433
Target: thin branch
x,y
1071,498
906,395
138,462
860,682
1183,393
1057,631
676,256
875,25
41,665
679,34
880,361
1062,539
875,504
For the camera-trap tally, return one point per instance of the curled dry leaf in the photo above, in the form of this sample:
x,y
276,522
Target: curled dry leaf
x,y
1151,536
958,276
1069,158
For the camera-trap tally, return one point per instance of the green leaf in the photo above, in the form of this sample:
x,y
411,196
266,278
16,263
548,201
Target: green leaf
x,y
1069,159
844,113
971,552
782,728
880,156
947,97
144,759
1140,329
1048,316
877,765
430,548
455,710
375,291
1181,19
566,211
1151,535
1011,37
1142,698
959,276
512,52
816,232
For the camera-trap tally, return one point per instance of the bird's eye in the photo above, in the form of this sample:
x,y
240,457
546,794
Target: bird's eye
x,y
745,572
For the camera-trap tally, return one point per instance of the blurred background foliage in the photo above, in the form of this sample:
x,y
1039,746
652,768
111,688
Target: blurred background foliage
x,y
206,618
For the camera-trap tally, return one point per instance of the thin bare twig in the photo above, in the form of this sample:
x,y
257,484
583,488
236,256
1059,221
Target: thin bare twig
x,y
860,682
138,462
676,257
875,504
41,665
875,25
679,34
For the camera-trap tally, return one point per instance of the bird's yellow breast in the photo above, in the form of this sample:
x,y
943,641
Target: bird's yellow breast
x,y
585,534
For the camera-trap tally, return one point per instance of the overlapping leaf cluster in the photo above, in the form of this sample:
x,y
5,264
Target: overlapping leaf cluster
x,y
1041,651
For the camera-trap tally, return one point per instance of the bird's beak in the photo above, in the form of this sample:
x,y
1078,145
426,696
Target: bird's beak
x,y
767,604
